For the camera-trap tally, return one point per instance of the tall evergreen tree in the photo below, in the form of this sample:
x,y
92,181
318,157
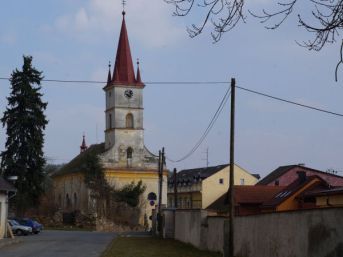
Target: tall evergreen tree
x,y
25,122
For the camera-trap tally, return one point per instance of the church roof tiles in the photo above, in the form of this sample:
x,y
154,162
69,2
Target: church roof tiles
x,y
77,164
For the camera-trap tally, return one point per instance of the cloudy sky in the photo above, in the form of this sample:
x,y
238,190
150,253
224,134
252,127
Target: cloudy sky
x,y
74,40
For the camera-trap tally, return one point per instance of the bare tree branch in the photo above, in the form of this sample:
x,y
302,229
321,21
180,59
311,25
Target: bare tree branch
x,y
285,11
340,61
224,15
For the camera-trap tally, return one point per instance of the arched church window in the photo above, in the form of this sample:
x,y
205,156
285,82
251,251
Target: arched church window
x,y
68,201
129,120
129,152
75,200
110,121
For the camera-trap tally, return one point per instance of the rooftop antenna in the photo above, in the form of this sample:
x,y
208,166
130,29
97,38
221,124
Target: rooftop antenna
x,y
206,157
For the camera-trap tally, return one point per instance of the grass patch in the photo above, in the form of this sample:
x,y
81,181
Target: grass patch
x,y
153,247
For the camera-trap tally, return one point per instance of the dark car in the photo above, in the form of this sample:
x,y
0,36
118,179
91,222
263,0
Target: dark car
x,y
35,225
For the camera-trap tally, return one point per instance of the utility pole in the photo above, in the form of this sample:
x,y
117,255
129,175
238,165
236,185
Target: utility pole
x,y
159,191
232,169
175,189
161,164
160,180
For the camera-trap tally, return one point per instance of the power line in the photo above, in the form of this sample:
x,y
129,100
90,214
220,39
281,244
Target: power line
x,y
216,115
148,82
208,129
196,83
290,102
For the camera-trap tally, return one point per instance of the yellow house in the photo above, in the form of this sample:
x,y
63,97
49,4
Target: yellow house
x,y
123,155
198,188
332,197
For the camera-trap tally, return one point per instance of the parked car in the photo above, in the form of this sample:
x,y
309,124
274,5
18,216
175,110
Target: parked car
x,y
35,225
19,229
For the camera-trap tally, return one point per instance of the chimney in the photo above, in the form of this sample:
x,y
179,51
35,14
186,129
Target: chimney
x,y
301,176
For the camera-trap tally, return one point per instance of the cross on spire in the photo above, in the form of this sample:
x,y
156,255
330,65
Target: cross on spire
x,y
124,3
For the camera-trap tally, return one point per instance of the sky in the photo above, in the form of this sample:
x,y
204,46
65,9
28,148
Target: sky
x,y
75,40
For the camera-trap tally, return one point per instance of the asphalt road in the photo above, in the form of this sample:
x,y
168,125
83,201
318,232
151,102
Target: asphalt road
x,y
60,244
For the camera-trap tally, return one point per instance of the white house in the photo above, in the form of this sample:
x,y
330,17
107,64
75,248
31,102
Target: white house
x,y
5,190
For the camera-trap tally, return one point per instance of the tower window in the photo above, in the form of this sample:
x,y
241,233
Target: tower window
x,y
129,120
110,121
129,152
129,157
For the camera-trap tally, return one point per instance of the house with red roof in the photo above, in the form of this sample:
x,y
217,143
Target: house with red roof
x,y
248,200
285,175
271,198
291,197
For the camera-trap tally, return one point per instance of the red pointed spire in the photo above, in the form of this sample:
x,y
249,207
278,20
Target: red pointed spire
x,y
123,69
83,146
109,76
138,78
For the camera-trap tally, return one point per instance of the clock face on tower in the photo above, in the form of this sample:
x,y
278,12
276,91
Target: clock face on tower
x,y
128,93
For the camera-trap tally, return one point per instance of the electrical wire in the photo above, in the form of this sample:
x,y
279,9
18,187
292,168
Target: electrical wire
x,y
208,129
196,83
147,83
290,102
217,113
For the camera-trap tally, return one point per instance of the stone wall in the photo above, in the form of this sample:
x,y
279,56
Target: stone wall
x,y
188,226
168,223
214,234
309,233
195,227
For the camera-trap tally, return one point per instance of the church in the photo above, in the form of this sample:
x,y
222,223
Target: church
x,y
123,154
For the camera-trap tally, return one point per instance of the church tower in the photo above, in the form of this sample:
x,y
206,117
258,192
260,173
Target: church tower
x,y
124,157
124,132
